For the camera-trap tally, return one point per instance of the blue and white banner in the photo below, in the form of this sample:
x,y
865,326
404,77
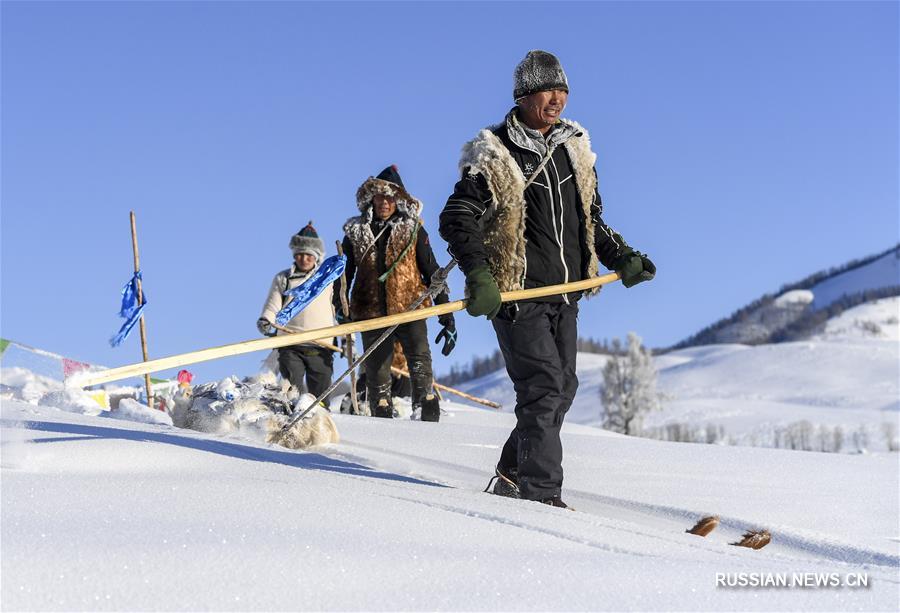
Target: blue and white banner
x,y
307,291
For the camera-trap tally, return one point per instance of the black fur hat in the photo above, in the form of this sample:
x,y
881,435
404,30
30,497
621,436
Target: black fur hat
x,y
538,72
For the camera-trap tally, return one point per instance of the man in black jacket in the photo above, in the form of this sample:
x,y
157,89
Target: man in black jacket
x,y
389,265
526,213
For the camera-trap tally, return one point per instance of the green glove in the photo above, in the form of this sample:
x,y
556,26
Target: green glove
x,y
634,267
484,295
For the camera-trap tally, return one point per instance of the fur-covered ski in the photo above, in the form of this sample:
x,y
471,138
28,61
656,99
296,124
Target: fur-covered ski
x,y
753,539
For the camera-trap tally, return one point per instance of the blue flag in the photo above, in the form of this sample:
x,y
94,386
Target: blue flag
x,y
130,310
307,291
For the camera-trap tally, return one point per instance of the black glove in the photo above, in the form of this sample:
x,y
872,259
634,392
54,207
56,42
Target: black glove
x,y
447,333
265,327
634,267
484,295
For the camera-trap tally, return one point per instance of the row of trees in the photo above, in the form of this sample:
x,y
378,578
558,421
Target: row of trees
x,y
799,435
479,367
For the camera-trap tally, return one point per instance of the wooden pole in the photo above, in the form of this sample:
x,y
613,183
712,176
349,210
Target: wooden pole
x,y
140,299
438,386
212,353
348,339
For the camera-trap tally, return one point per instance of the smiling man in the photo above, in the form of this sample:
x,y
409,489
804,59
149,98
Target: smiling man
x,y
526,214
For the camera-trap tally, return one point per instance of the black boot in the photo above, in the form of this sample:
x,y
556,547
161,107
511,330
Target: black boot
x,y
556,501
384,408
505,482
431,408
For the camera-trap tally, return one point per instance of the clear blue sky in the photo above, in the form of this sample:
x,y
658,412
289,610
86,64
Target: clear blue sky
x,y
742,145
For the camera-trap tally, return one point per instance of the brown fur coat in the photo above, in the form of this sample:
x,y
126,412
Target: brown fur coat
x,y
404,284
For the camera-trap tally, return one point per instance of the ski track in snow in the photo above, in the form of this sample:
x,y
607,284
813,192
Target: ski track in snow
x,y
660,520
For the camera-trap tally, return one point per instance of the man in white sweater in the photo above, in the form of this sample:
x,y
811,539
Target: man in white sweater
x,y
307,359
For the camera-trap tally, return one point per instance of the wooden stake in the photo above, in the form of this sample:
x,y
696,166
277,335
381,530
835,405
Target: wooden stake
x,y
348,339
140,299
212,353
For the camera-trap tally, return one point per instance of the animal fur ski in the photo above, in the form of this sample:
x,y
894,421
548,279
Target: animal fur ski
x,y
753,539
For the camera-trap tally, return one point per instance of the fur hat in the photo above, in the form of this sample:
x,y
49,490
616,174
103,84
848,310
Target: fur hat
x,y
307,241
389,183
538,72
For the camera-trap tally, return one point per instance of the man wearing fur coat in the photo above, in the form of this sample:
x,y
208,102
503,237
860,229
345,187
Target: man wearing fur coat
x,y
389,265
308,360
509,234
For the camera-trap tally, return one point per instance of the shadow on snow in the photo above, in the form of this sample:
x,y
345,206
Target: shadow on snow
x,y
304,459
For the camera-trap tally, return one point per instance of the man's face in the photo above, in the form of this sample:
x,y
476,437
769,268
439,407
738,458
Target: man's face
x,y
383,206
541,110
304,261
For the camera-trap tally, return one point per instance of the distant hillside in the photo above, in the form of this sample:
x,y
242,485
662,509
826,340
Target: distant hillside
x,y
800,309
840,384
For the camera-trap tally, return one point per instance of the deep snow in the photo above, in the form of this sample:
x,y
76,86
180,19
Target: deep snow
x,y
104,514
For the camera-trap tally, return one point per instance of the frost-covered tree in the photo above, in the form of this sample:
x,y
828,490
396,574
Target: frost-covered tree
x,y
629,387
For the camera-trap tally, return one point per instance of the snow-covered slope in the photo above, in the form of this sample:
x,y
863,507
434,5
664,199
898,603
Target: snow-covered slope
x,y
847,376
872,320
101,514
882,272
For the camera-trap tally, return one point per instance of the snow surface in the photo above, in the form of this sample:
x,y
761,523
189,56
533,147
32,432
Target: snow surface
x,y
797,296
115,515
877,319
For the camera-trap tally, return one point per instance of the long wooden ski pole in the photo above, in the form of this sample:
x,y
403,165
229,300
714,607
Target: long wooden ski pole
x,y
348,339
140,300
212,353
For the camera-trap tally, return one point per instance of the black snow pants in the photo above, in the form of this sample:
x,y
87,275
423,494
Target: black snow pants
x,y
413,337
315,363
539,343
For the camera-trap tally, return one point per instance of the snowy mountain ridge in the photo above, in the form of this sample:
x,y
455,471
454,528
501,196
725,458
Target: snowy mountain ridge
x,y
801,309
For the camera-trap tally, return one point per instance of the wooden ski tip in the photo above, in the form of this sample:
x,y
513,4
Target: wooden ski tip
x,y
704,526
755,539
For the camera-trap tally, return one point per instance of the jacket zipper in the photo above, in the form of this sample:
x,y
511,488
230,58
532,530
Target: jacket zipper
x,y
562,254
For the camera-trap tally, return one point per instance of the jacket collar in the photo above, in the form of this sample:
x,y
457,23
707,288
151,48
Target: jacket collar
x,y
532,140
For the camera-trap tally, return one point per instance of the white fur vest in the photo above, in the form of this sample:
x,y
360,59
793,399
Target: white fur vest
x,y
504,222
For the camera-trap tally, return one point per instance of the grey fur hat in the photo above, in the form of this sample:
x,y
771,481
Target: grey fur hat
x,y
538,72
307,241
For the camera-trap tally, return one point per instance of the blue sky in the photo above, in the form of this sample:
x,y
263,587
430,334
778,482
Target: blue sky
x,y
741,145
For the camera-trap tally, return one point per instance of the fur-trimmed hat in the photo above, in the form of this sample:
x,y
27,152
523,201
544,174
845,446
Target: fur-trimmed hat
x,y
307,241
389,183
540,71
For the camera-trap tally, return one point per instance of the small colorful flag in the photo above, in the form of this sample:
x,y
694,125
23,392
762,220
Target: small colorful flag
x,y
70,367
130,310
